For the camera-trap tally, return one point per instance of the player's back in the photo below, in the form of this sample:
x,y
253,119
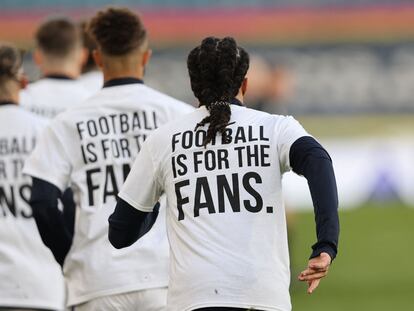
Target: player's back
x,y
100,139
52,95
92,81
226,219
30,277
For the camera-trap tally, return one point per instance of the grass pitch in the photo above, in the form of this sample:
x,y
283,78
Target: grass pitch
x,y
374,270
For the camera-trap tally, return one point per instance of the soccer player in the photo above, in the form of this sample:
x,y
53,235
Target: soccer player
x,y
92,147
91,78
59,55
30,277
221,169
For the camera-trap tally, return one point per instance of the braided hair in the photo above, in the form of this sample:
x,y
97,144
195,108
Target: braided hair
x,y
217,69
10,62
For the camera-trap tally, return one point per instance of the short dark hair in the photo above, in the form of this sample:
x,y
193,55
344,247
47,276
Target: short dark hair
x,y
58,37
217,69
117,31
10,62
89,44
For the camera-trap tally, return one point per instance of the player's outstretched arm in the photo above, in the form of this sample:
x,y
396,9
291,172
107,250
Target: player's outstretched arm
x,y
49,219
317,269
127,224
310,159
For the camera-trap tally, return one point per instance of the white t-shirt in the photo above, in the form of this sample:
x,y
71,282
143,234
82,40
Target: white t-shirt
x,y
225,217
92,81
92,147
30,276
51,96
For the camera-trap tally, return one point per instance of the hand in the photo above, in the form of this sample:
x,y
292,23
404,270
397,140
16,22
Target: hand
x,y
317,269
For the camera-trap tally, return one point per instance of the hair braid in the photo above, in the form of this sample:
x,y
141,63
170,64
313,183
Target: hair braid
x,y
10,62
217,69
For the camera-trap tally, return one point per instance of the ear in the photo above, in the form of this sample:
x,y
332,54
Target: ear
x,y
244,86
146,57
97,57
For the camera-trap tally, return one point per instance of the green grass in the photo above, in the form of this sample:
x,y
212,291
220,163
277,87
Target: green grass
x,y
359,126
374,269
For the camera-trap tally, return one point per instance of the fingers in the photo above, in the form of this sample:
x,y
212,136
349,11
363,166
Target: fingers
x,y
319,265
312,271
313,285
311,277
317,269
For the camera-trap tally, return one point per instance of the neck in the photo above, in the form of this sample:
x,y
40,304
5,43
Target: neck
x,y
68,70
115,67
110,75
240,97
11,99
10,92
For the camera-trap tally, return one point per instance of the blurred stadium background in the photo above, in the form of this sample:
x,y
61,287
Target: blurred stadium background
x,y
345,69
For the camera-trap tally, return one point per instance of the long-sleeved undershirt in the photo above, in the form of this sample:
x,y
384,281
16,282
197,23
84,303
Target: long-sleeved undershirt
x,y
127,224
310,159
55,227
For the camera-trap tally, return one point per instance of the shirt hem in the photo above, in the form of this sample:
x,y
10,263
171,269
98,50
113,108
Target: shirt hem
x,y
233,305
35,304
109,292
134,204
45,177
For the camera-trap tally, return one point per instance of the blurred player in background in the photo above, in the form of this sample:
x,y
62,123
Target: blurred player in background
x,y
92,77
221,169
270,86
59,55
30,277
92,147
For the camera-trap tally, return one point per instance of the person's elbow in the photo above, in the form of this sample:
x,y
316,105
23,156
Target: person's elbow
x,y
117,243
116,237
127,225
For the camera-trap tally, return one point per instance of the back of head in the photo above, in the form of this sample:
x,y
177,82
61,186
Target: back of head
x,y
10,66
58,38
217,69
89,44
118,31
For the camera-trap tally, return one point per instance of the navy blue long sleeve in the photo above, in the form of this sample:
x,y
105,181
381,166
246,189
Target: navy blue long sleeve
x,y
310,159
69,210
127,224
49,219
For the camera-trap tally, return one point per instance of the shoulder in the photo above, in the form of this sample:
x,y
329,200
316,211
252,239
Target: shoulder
x,y
277,119
286,121
168,101
29,91
29,120
34,85
251,115
31,117
49,88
